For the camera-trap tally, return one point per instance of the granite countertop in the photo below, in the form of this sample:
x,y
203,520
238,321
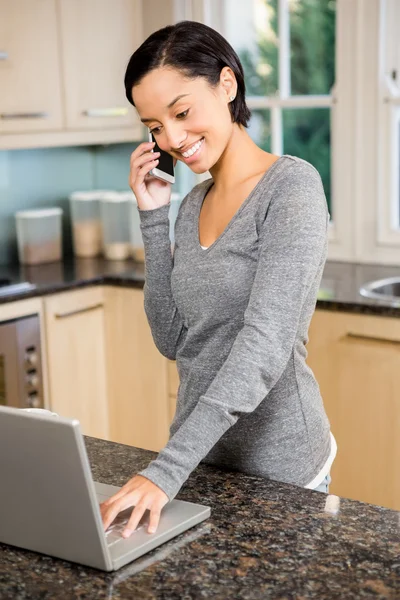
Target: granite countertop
x,y
339,288
264,539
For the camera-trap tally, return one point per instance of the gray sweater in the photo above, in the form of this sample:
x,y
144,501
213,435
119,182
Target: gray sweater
x,y
235,317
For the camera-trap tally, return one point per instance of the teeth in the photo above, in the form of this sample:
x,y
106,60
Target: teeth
x,y
193,149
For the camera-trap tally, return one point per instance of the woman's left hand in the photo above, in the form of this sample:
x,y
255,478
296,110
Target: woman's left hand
x,y
142,494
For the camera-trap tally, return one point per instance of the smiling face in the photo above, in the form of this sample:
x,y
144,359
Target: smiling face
x,y
188,118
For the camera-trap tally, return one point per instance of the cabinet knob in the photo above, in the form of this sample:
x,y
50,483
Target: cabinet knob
x,y
33,400
3,55
31,358
33,379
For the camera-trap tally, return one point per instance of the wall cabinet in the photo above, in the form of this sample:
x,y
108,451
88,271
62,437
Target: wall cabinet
x,y
356,360
62,65
76,358
30,83
97,39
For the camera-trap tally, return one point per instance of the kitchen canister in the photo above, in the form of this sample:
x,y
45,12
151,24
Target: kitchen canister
x,y
86,222
39,235
136,240
115,216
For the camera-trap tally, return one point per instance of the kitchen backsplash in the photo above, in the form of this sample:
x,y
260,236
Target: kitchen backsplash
x,y
46,176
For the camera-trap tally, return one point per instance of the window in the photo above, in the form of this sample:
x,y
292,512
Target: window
x,y
287,48
287,51
323,82
389,101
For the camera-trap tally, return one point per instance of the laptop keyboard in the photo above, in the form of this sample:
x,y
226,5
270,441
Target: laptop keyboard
x,y
114,532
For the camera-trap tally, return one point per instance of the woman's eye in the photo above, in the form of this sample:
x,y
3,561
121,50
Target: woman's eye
x,y
155,130
183,114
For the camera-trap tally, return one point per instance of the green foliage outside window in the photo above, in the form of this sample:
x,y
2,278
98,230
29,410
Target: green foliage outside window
x,y
306,131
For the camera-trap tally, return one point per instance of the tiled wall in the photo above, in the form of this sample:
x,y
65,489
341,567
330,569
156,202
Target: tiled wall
x,y
45,177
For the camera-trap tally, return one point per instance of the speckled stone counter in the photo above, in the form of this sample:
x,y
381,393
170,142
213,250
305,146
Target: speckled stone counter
x,y
339,288
263,540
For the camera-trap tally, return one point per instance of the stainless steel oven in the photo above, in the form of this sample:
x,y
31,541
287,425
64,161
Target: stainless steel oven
x,y
21,383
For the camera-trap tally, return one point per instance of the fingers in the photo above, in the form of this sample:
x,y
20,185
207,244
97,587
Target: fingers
x,y
140,493
108,513
141,165
155,514
134,519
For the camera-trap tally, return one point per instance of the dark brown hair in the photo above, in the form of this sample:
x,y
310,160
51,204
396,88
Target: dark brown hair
x,y
195,50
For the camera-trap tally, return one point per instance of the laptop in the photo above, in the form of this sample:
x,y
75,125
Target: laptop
x,y
49,502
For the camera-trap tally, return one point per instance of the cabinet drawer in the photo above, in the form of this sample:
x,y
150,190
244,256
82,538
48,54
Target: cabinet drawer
x,y
350,328
173,378
69,304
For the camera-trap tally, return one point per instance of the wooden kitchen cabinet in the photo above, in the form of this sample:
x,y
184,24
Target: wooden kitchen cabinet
x,y
97,40
137,374
173,385
76,358
62,66
30,79
356,361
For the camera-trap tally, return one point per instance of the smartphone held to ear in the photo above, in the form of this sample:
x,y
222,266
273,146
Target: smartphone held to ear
x,y
165,167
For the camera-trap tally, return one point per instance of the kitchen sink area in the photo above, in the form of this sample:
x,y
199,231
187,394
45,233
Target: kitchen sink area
x,y
9,288
387,290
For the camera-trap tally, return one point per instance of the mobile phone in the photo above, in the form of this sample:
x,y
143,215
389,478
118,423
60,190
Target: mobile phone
x,y
165,167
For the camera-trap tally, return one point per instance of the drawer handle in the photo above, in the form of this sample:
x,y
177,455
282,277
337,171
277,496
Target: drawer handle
x,y
106,112
370,338
3,55
27,115
78,311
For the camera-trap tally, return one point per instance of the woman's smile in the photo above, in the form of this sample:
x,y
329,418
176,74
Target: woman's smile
x,y
193,153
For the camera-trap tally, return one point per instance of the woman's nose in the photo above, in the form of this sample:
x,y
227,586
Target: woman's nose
x,y
175,138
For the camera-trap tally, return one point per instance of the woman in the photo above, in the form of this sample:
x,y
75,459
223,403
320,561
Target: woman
x,y
234,302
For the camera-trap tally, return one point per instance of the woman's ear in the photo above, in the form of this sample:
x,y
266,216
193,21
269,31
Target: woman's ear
x,y
228,83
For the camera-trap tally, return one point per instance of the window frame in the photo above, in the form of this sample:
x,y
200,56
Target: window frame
x,y
389,128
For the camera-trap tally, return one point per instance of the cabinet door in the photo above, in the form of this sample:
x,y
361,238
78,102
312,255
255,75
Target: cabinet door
x,y
173,385
356,360
30,98
98,38
139,407
76,358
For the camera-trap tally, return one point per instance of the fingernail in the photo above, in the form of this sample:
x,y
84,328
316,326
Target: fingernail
x,y
151,529
126,533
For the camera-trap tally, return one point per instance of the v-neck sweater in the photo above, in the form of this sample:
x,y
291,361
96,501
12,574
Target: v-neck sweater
x,y
235,317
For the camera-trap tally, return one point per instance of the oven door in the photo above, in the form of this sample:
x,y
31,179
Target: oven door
x,y
9,380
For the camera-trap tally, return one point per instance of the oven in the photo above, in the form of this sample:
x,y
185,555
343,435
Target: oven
x,y
21,382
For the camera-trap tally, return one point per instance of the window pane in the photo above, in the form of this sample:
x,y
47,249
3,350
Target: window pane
x,y
312,46
306,134
260,128
251,28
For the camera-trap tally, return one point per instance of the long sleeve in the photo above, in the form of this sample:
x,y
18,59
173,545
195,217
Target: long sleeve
x,y
164,319
293,241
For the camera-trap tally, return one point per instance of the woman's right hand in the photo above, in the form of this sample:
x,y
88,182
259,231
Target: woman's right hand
x,y
150,191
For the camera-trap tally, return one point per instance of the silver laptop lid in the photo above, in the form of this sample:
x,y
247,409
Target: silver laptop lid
x,y
47,498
